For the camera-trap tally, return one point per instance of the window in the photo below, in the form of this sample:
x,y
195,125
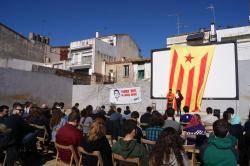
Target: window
x,y
126,70
141,74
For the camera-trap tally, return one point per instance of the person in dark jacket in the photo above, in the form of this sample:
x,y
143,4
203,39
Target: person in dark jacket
x,y
186,117
178,99
97,141
247,124
128,147
220,148
7,144
244,149
147,117
19,128
134,116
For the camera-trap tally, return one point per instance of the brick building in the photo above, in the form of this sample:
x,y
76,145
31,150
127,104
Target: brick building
x,y
36,48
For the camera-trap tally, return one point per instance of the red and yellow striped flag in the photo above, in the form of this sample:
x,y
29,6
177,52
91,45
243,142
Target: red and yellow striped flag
x,y
189,68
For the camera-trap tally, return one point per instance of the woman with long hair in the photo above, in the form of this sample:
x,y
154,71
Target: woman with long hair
x,y
86,120
97,141
56,122
168,150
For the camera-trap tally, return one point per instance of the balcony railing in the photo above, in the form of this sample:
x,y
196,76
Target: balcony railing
x,y
85,60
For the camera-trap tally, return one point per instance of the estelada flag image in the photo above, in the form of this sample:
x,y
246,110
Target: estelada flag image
x,y
189,68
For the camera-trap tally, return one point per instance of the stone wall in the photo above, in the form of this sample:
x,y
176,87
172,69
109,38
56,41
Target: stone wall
x,y
17,85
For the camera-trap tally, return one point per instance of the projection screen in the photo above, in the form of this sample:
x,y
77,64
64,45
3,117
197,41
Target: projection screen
x,y
222,82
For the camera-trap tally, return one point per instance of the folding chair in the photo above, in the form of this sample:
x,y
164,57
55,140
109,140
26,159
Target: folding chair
x,y
5,157
110,139
73,156
120,158
45,132
96,154
191,149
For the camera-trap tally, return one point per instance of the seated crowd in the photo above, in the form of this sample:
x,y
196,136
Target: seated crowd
x,y
98,136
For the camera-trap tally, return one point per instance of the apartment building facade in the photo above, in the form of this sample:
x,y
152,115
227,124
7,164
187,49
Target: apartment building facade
x,y
88,56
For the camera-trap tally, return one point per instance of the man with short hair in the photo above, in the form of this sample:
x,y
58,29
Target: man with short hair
x,y
127,113
220,148
69,135
147,117
19,128
235,119
128,146
209,118
186,117
4,111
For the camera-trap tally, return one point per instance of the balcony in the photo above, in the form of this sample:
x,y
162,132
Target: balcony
x,y
85,61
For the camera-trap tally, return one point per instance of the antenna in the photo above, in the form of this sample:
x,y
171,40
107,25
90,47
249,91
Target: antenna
x,y
211,8
249,11
178,22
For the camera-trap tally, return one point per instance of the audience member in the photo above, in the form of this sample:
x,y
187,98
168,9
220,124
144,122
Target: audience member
x,y
69,135
76,108
101,112
4,111
220,148
244,146
61,105
97,141
186,117
168,150
46,111
170,121
115,122
128,146
147,117
19,128
36,117
56,122
227,116
209,118
87,120
195,127
127,113
27,107
234,118
134,116
153,132
55,105
7,143
246,125
236,129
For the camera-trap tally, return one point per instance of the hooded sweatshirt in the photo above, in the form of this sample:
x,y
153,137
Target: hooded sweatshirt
x,y
131,149
220,151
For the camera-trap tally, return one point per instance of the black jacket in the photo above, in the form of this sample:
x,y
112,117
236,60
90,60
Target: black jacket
x,y
101,145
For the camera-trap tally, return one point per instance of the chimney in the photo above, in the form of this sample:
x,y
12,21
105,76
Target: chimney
x,y
212,35
31,36
97,34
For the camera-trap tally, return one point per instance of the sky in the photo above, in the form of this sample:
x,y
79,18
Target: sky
x,y
149,22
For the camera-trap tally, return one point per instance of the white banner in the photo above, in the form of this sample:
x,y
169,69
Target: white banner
x,y
125,95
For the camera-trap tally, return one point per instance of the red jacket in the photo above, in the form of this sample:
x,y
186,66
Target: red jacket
x,y
68,135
